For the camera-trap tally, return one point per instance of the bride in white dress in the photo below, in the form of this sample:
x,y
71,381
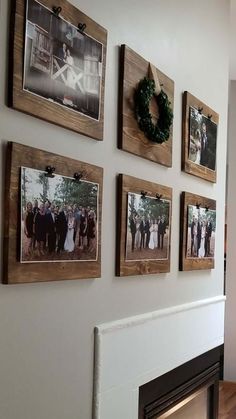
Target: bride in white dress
x,y
70,73
151,244
69,242
201,251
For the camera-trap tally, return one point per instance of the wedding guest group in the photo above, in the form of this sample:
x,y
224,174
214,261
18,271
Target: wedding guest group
x,y
52,229
201,233
146,232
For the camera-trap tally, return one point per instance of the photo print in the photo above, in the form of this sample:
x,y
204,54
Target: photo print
x,y
148,228
59,218
202,139
201,232
61,64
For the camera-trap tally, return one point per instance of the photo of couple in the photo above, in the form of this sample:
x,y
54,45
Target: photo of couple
x,y
148,228
202,141
60,63
58,218
201,232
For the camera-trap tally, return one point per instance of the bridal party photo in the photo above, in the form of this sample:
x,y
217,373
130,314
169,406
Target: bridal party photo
x,y
201,232
59,218
148,228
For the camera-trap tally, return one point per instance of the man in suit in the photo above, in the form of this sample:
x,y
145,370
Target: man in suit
x,y
162,230
208,237
193,234
132,225
142,231
204,146
51,229
147,231
61,229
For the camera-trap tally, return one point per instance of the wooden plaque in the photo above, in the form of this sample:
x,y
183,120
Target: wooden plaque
x,y
43,81
133,68
203,169
153,260
15,271
204,206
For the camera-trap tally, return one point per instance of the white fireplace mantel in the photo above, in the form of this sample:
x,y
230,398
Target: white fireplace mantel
x,y
133,351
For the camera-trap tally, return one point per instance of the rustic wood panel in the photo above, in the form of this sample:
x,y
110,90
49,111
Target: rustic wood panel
x,y
15,272
133,68
186,264
187,165
36,105
123,267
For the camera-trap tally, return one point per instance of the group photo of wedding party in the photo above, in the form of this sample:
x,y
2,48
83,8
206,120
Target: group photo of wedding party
x,y
61,64
201,232
148,228
59,218
202,139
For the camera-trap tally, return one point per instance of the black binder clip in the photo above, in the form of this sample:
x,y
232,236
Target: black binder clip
x,y
49,171
143,194
78,176
81,27
56,11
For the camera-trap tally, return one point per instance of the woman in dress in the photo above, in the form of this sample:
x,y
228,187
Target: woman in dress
x,y
40,227
201,252
70,73
155,233
69,242
151,241
198,146
138,233
29,227
82,228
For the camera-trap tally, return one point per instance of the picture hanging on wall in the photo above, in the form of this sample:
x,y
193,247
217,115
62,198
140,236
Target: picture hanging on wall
x,y
199,145
144,227
58,71
198,232
53,230
146,102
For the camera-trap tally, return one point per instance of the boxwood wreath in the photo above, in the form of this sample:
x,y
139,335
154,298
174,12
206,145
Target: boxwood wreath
x,y
160,132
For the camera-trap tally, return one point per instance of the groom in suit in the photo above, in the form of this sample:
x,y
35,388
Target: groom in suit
x,y
51,229
61,228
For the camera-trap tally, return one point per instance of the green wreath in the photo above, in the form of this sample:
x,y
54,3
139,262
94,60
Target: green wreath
x,y
160,132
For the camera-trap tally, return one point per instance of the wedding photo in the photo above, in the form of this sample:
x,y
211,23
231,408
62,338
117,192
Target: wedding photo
x,y
148,228
201,232
59,218
61,64
202,139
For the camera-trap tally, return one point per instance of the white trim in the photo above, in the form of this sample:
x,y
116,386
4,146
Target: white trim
x,y
142,318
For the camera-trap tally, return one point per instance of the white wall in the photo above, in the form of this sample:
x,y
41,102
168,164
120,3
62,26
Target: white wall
x,y
230,330
46,330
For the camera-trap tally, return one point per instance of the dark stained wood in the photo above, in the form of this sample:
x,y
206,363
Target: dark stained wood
x,y
125,268
15,272
187,264
227,400
187,165
35,105
133,68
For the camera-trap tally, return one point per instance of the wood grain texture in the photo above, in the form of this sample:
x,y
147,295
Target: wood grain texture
x,y
130,184
187,165
37,106
15,272
189,264
227,400
133,68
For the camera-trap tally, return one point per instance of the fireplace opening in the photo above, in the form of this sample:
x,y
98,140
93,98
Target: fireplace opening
x,y
189,391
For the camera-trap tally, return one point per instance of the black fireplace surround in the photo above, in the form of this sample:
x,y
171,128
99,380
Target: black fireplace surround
x,y
163,393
